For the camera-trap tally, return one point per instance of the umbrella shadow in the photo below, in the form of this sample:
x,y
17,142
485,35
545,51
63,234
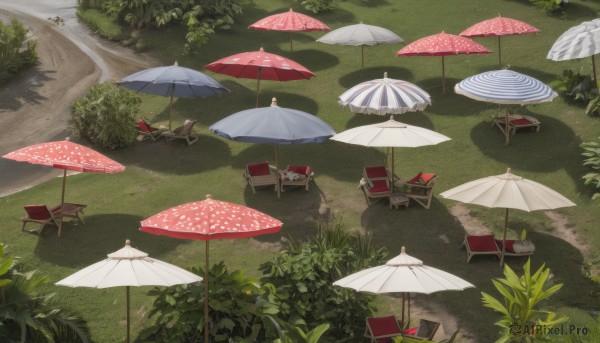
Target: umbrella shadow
x,y
27,84
78,245
370,3
175,157
316,60
410,118
371,73
336,19
452,104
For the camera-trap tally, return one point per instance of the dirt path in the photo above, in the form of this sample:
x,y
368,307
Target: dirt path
x,y
35,106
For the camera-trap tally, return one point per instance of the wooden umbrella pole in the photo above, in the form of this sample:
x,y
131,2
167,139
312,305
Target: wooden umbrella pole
x,y
62,202
499,53
504,238
258,87
393,174
128,324
291,45
278,185
408,312
402,325
171,109
594,71
506,128
206,294
362,58
443,77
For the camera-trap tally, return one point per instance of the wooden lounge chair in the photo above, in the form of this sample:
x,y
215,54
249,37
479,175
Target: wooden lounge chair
x,y
425,331
42,215
261,174
375,183
481,245
382,329
148,132
516,121
296,176
182,132
420,188
510,250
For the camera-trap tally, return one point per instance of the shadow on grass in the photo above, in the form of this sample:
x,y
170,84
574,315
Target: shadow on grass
x,y
410,118
371,73
371,3
28,92
456,105
79,245
315,60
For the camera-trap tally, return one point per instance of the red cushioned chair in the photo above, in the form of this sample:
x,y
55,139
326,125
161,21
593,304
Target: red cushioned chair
x,y
516,121
296,176
375,183
149,132
382,329
261,174
481,245
43,216
420,188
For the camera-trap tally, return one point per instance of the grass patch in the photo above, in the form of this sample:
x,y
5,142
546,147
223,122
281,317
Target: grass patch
x,y
100,23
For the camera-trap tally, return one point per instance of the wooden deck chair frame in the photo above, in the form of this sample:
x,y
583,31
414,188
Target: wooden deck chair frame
x,y
488,241
306,171
41,215
263,179
508,252
149,132
182,132
426,330
421,194
368,184
392,328
500,122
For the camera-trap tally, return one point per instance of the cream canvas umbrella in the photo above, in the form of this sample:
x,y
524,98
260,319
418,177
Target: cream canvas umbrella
x,y
508,191
129,267
403,274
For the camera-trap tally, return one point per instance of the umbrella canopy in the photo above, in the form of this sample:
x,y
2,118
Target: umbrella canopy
x,y
403,274
360,35
385,96
66,155
207,220
579,41
499,26
289,22
273,125
173,81
505,87
508,191
443,44
391,134
129,267
260,65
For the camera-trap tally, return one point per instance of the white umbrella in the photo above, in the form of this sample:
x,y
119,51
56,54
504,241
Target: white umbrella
x,y
129,267
385,96
360,35
579,41
505,87
390,134
403,274
508,191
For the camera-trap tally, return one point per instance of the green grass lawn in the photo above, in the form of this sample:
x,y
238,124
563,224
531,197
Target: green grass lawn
x,y
161,175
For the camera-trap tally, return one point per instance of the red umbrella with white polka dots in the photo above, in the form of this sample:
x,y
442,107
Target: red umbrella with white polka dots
x,y
66,155
207,220
443,44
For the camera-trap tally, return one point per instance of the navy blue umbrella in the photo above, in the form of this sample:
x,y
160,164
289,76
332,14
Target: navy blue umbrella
x,y
275,125
173,81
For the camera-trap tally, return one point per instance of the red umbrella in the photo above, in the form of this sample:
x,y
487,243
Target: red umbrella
x,y
499,26
67,156
289,22
443,44
207,220
260,65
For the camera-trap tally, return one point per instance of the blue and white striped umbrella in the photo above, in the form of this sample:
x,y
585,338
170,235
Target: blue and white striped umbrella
x,y
505,87
385,96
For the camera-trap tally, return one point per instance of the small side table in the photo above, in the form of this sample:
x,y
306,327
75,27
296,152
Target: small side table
x,y
397,200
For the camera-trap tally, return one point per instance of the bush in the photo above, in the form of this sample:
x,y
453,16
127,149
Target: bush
x,y
13,58
317,6
592,152
106,116
100,23
575,86
548,5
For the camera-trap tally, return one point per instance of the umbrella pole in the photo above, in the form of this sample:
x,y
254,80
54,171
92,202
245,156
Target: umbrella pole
x,y
504,238
594,71
277,171
506,128
128,325
443,77
291,45
499,53
170,110
402,326
362,58
257,87
206,294
62,202
393,175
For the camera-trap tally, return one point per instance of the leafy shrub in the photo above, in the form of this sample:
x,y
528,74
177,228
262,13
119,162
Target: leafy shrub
x,y
593,107
592,152
575,86
317,6
12,58
303,275
548,5
106,116
100,23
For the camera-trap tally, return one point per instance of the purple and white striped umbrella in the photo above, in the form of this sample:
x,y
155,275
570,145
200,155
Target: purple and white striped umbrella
x,y
385,96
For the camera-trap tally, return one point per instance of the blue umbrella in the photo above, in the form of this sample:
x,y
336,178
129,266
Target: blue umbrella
x,y
275,125
505,87
173,81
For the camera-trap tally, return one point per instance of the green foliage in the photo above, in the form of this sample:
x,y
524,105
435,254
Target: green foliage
x,y
289,333
592,152
575,86
26,316
12,58
106,116
520,295
100,23
548,5
180,309
317,6
303,274
593,107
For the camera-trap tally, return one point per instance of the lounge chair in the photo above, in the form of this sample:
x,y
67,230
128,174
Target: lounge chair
x,y
375,183
296,176
420,188
148,132
425,331
382,329
182,132
511,250
261,174
42,215
516,121
481,245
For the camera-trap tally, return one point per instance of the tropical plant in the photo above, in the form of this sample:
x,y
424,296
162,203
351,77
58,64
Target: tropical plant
x,y
303,275
520,296
575,86
548,5
593,107
317,6
106,116
592,152
26,316
289,333
13,58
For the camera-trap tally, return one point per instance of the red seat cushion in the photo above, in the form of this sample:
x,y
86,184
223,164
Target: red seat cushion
x,y
143,126
379,186
421,179
415,180
509,244
521,121
376,171
384,326
258,169
482,243
304,170
37,212
411,331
